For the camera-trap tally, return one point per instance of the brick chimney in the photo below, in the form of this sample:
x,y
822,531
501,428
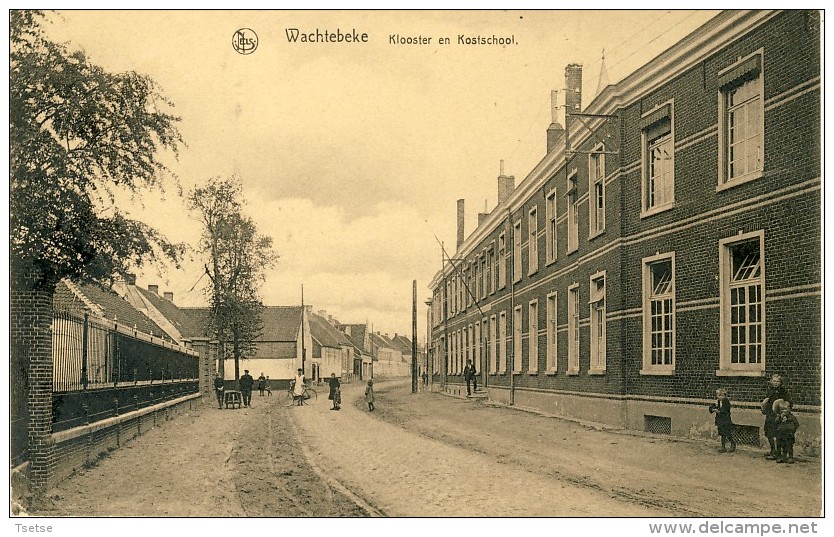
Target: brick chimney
x,y
460,224
506,185
555,130
573,85
169,295
130,279
153,289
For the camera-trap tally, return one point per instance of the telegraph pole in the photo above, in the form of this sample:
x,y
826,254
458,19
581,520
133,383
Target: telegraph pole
x,y
414,336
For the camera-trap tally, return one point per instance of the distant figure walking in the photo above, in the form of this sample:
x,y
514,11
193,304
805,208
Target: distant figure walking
x,y
262,384
470,375
425,379
335,392
298,388
219,389
369,395
246,382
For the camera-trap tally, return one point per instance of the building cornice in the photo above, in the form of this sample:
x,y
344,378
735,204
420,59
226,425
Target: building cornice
x,y
697,46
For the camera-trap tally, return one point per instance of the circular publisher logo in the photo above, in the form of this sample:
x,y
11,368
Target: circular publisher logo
x,y
245,41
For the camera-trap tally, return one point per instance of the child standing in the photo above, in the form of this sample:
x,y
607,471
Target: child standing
x,y
723,420
786,426
369,395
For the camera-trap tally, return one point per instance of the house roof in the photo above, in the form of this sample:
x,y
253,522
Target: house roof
x,y
104,303
325,334
280,323
356,336
198,323
189,325
402,344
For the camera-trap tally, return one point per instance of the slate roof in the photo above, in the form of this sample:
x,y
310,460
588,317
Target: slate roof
x,y
189,325
357,337
112,306
402,344
325,333
280,323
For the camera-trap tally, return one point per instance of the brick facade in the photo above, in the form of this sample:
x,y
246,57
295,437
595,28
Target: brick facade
x,y
684,91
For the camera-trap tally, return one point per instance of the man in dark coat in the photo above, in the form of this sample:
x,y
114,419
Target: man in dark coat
x,y
470,375
246,383
335,392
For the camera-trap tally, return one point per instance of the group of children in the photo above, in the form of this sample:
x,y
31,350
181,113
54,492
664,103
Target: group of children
x,y
780,423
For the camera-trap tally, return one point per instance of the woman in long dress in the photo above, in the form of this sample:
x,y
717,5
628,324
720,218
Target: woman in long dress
x,y
298,388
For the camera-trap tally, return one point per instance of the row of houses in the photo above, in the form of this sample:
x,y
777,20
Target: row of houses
x,y
350,351
667,244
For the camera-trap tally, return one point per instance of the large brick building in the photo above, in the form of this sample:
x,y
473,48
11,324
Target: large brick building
x,y
667,244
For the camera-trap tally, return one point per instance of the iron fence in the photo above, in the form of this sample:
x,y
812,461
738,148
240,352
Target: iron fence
x,y
87,353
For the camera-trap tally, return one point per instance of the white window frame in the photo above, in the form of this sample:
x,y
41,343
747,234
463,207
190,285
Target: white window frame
x,y
727,368
517,331
597,308
647,145
551,238
573,212
502,260
552,332
502,334
517,239
533,337
533,241
494,355
724,111
574,320
596,178
648,298
476,346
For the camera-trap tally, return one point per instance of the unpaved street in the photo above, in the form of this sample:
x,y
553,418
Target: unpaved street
x,y
422,454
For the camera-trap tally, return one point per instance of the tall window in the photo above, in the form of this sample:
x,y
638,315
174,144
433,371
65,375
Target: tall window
x,y
489,283
517,251
471,284
596,187
485,273
533,337
462,292
551,332
465,355
550,231
533,242
742,120
501,356
476,280
658,146
493,345
573,328
502,261
517,340
597,306
573,214
493,282
742,309
485,341
476,346
659,313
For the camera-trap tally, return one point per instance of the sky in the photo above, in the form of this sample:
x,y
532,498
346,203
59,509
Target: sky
x,y
352,155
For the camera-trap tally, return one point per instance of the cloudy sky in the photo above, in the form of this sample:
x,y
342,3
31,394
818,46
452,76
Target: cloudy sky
x,y
352,155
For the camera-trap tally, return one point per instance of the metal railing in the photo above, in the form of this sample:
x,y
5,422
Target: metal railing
x,y
87,353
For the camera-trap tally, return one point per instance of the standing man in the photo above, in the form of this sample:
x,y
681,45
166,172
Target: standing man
x,y
246,382
219,389
469,374
425,379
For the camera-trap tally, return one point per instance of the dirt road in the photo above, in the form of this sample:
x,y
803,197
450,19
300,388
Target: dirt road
x,y
422,455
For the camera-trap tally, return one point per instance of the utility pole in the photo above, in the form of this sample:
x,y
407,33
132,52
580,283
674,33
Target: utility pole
x,y
414,336
303,335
